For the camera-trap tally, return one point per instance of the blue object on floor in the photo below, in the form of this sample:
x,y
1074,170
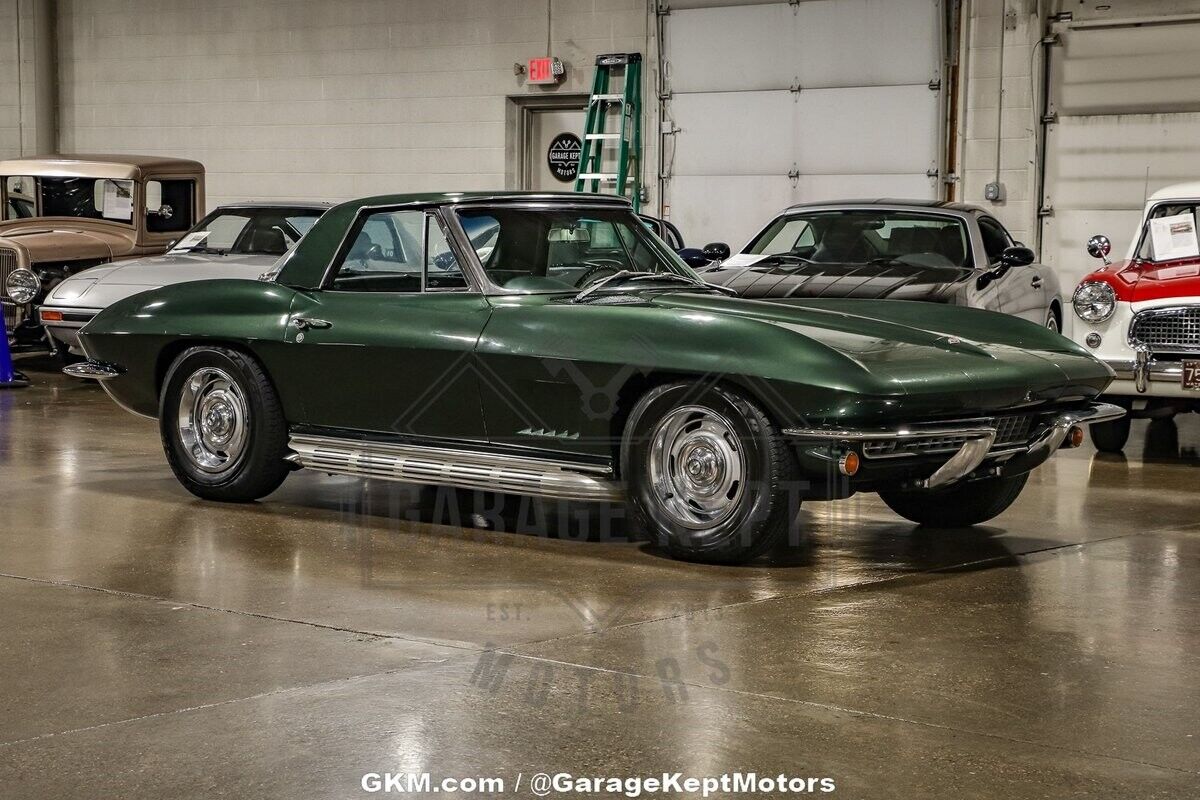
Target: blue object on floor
x,y
9,377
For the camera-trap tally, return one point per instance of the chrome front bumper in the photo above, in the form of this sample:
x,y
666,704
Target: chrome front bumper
x,y
977,443
1143,369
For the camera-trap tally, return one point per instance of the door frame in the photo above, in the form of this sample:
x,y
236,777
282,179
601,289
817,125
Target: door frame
x,y
518,123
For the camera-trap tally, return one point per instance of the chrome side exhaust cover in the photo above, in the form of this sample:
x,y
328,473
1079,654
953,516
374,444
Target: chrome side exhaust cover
x,y
462,469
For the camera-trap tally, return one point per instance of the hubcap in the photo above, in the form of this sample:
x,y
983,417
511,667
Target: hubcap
x,y
697,467
213,420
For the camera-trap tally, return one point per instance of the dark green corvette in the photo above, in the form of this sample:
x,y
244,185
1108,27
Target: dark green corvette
x,y
549,345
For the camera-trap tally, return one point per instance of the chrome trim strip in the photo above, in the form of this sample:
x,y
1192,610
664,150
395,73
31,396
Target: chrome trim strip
x,y
849,435
92,370
464,469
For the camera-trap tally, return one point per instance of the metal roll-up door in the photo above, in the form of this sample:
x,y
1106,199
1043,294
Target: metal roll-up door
x,y
779,103
1124,121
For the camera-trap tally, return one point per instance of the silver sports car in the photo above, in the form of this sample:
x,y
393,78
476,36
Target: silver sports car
x,y
939,252
242,240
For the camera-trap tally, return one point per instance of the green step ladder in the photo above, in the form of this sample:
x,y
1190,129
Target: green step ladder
x,y
607,101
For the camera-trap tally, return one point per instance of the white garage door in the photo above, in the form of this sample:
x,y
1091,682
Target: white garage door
x,y
781,103
1127,105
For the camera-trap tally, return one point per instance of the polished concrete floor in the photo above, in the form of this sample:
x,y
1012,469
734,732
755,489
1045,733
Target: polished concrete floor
x,y
155,645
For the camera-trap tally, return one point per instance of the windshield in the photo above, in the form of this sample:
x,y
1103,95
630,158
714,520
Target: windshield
x,y
563,250
270,231
859,237
1170,233
85,198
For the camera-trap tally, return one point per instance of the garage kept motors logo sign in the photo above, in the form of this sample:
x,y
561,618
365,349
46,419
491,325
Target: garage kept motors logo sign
x,y
563,156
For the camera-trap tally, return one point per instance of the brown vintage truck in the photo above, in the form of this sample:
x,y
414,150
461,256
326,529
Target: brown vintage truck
x,y
61,214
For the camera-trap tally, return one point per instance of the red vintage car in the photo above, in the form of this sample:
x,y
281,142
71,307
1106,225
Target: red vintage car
x,y
1142,315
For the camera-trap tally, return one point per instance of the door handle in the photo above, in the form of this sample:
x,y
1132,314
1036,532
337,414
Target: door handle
x,y
306,324
1036,283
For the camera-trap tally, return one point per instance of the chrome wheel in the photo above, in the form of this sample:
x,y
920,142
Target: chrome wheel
x,y
213,420
1052,322
696,467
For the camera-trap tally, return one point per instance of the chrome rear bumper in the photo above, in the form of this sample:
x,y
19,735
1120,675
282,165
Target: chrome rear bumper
x,y
974,443
92,371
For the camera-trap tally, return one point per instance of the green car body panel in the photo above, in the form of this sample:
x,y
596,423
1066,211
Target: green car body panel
x,y
541,372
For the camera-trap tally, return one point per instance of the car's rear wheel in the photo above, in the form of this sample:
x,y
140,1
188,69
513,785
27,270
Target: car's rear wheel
x,y
708,474
1111,436
222,425
957,506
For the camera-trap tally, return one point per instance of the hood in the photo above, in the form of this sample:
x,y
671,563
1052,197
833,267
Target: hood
x,y
907,281
1142,281
1005,361
56,239
102,286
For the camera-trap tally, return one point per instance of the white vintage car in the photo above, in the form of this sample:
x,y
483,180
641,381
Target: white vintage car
x,y
1141,315
242,240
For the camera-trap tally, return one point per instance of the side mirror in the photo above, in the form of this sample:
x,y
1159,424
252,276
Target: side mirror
x,y
1017,256
716,251
693,257
1099,247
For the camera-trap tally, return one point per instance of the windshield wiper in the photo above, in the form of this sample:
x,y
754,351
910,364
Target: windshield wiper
x,y
633,275
208,250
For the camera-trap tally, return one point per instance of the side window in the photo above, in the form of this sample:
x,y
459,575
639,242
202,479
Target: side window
x,y
995,239
389,254
170,206
442,270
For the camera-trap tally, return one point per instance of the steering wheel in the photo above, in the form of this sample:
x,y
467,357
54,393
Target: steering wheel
x,y
595,271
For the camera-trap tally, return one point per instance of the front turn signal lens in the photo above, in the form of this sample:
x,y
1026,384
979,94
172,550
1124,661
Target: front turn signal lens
x,y
51,316
1074,436
849,463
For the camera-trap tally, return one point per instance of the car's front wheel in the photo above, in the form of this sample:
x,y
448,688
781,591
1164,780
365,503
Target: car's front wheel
x,y
222,425
957,506
708,474
1111,436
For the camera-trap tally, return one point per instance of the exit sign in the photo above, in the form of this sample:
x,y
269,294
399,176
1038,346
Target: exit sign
x,y
545,70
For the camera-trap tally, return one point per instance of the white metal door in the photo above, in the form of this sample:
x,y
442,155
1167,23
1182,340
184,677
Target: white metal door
x,y
546,126
780,103
1126,103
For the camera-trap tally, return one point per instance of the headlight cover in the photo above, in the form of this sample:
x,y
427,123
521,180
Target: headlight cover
x,y
1094,301
22,286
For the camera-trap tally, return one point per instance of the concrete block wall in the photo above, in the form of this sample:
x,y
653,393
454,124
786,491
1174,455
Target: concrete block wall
x,y
310,98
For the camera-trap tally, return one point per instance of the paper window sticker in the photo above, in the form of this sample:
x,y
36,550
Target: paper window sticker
x,y
1174,237
742,260
190,241
118,200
